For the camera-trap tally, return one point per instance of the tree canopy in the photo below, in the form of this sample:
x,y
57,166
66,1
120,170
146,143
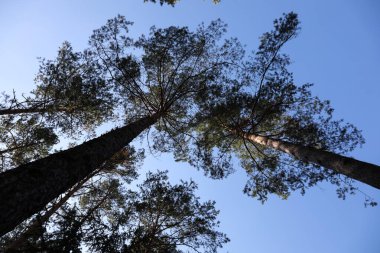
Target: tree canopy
x,y
208,100
157,217
262,105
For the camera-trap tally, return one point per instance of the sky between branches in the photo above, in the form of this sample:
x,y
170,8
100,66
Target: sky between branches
x,y
337,50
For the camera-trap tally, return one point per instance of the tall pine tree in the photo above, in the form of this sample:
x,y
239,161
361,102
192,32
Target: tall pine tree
x,y
207,102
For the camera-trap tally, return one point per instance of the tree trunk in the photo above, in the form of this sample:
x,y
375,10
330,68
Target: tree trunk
x,y
364,172
28,188
32,229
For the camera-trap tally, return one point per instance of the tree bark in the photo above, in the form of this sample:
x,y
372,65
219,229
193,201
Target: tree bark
x,y
364,172
28,188
32,229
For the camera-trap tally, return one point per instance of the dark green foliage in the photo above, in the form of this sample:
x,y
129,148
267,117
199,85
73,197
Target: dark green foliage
x,y
72,92
121,167
69,98
157,86
182,220
24,139
174,65
159,217
205,97
261,98
174,68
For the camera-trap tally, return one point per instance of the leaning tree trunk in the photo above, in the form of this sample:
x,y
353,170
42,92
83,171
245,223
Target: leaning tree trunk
x,y
32,229
28,188
364,172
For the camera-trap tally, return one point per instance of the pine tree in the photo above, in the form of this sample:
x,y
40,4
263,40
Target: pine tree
x,y
156,87
285,138
121,167
157,217
207,102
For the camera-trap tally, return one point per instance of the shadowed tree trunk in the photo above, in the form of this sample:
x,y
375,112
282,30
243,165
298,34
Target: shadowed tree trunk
x,y
36,224
28,188
364,172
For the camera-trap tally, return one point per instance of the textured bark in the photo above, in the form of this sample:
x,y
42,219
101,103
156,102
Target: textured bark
x,y
28,188
36,224
364,172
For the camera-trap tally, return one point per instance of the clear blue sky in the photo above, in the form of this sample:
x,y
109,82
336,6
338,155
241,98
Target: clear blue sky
x,y
338,50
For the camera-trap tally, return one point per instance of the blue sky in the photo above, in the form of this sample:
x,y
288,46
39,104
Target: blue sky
x,y
337,50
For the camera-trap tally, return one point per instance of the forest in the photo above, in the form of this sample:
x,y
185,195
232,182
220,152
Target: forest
x,y
73,146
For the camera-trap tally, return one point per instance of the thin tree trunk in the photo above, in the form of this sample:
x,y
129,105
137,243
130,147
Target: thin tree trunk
x,y
33,228
364,172
94,208
28,188
15,148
